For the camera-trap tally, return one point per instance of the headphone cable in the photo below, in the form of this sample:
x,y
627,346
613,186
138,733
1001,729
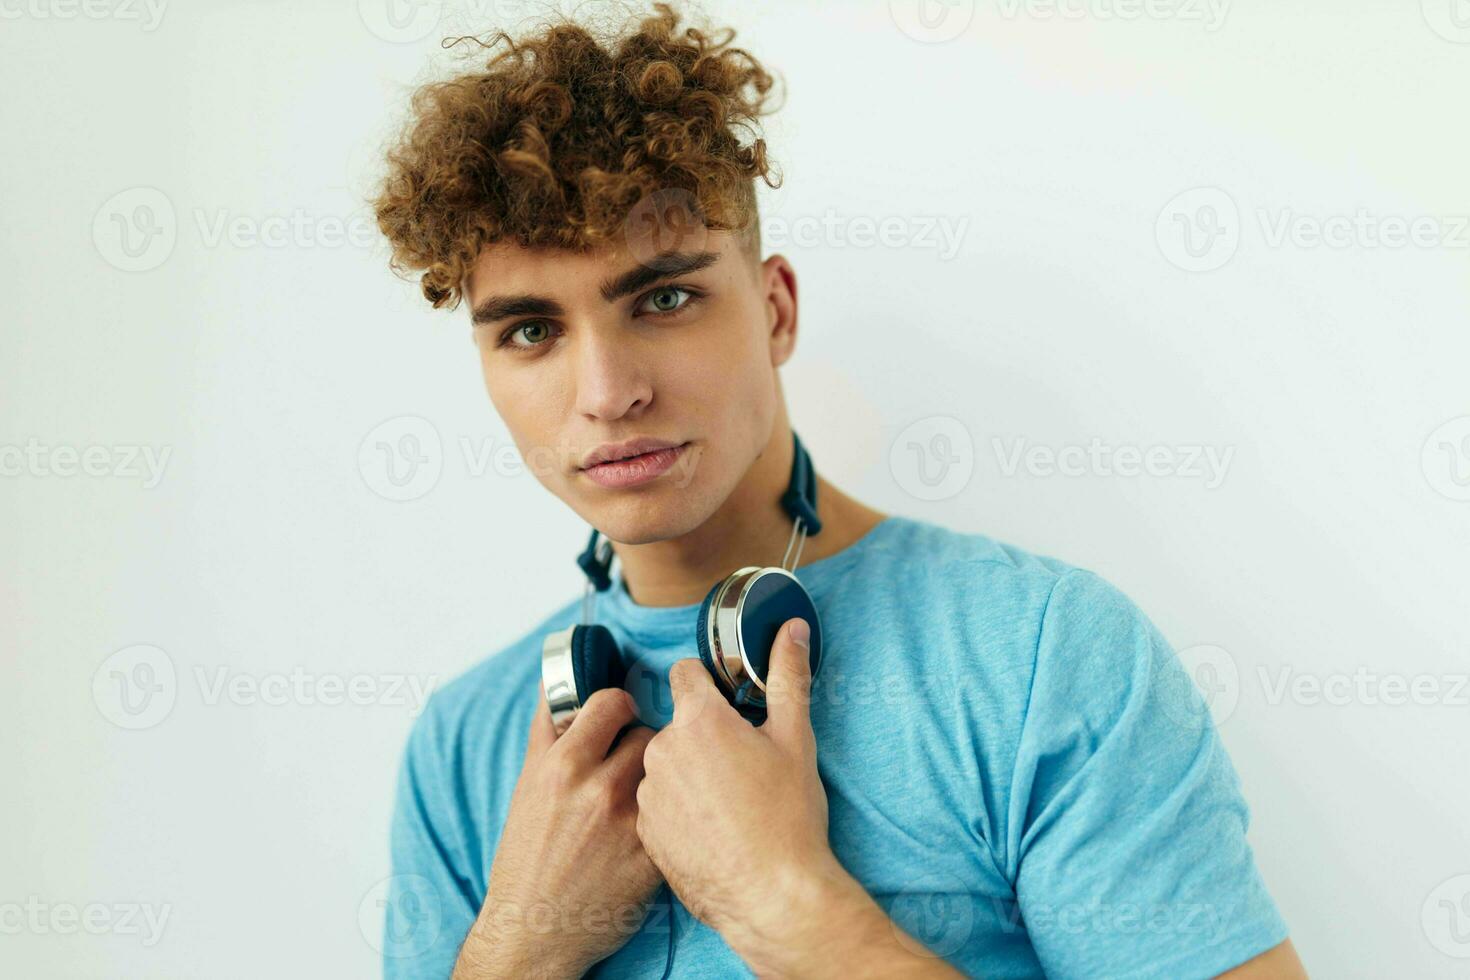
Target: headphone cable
x,y
669,962
663,889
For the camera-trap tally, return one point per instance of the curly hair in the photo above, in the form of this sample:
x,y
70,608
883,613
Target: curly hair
x,y
562,134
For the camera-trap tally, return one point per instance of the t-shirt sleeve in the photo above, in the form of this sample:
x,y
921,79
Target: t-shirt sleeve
x,y
1129,827
430,903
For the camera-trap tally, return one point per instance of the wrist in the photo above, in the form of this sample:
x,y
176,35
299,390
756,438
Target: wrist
x,y
808,918
496,947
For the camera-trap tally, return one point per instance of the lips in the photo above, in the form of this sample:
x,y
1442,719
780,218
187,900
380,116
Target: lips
x,y
629,469
613,451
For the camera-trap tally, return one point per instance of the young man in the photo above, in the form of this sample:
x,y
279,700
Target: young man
x,y
1001,767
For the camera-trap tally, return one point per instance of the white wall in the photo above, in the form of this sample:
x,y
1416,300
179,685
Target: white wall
x,y
1332,547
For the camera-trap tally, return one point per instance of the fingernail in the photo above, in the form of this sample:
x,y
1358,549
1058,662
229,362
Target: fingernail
x,y
800,632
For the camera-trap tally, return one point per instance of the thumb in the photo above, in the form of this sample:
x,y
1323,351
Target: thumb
x,y
789,682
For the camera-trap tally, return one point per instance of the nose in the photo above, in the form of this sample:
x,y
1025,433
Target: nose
x,y
611,377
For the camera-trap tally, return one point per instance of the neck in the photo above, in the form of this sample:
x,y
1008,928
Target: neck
x,y
750,528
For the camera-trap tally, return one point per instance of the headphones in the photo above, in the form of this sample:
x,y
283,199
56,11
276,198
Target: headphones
x,y
737,625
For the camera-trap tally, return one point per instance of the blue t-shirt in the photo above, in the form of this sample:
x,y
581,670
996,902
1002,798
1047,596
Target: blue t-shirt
x,y
1018,770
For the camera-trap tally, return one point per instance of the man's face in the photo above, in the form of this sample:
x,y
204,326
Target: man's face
x,y
582,350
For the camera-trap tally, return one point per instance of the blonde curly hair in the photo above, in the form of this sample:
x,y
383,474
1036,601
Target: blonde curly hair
x,y
558,137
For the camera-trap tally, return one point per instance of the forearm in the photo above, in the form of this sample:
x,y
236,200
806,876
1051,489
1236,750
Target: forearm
x,y
826,925
491,952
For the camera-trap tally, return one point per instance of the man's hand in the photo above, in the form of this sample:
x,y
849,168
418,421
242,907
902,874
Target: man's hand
x,y
730,813
570,882
736,819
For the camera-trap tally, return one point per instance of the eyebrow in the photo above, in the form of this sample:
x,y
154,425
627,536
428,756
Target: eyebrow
x,y
665,265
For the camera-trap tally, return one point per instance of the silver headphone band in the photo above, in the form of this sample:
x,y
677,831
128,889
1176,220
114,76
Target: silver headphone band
x,y
587,604
558,677
798,538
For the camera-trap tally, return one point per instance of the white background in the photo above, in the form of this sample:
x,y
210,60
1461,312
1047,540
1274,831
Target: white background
x,y
1333,547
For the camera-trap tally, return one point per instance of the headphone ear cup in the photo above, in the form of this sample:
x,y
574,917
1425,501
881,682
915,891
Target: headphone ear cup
x,y
701,632
597,663
753,713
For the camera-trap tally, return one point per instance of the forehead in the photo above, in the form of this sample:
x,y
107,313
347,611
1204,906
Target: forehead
x,y
508,267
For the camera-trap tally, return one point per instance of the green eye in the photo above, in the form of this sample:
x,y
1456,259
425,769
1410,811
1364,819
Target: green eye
x,y
533,332
667,299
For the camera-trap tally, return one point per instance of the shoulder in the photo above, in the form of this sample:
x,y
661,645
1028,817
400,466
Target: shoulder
x,y
949,558
1028,591
1014,614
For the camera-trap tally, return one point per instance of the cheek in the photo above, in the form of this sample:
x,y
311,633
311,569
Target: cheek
x,y
743,375
732,352
521,397
503,398
522,408
732,371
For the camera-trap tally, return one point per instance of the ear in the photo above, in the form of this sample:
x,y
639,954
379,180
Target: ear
x,y
778,284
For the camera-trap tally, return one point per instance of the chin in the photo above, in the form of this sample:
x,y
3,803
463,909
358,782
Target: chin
x,y
645,516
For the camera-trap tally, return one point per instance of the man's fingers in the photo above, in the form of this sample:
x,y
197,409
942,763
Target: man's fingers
x,y
789,682
596,725
625,762
692,689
